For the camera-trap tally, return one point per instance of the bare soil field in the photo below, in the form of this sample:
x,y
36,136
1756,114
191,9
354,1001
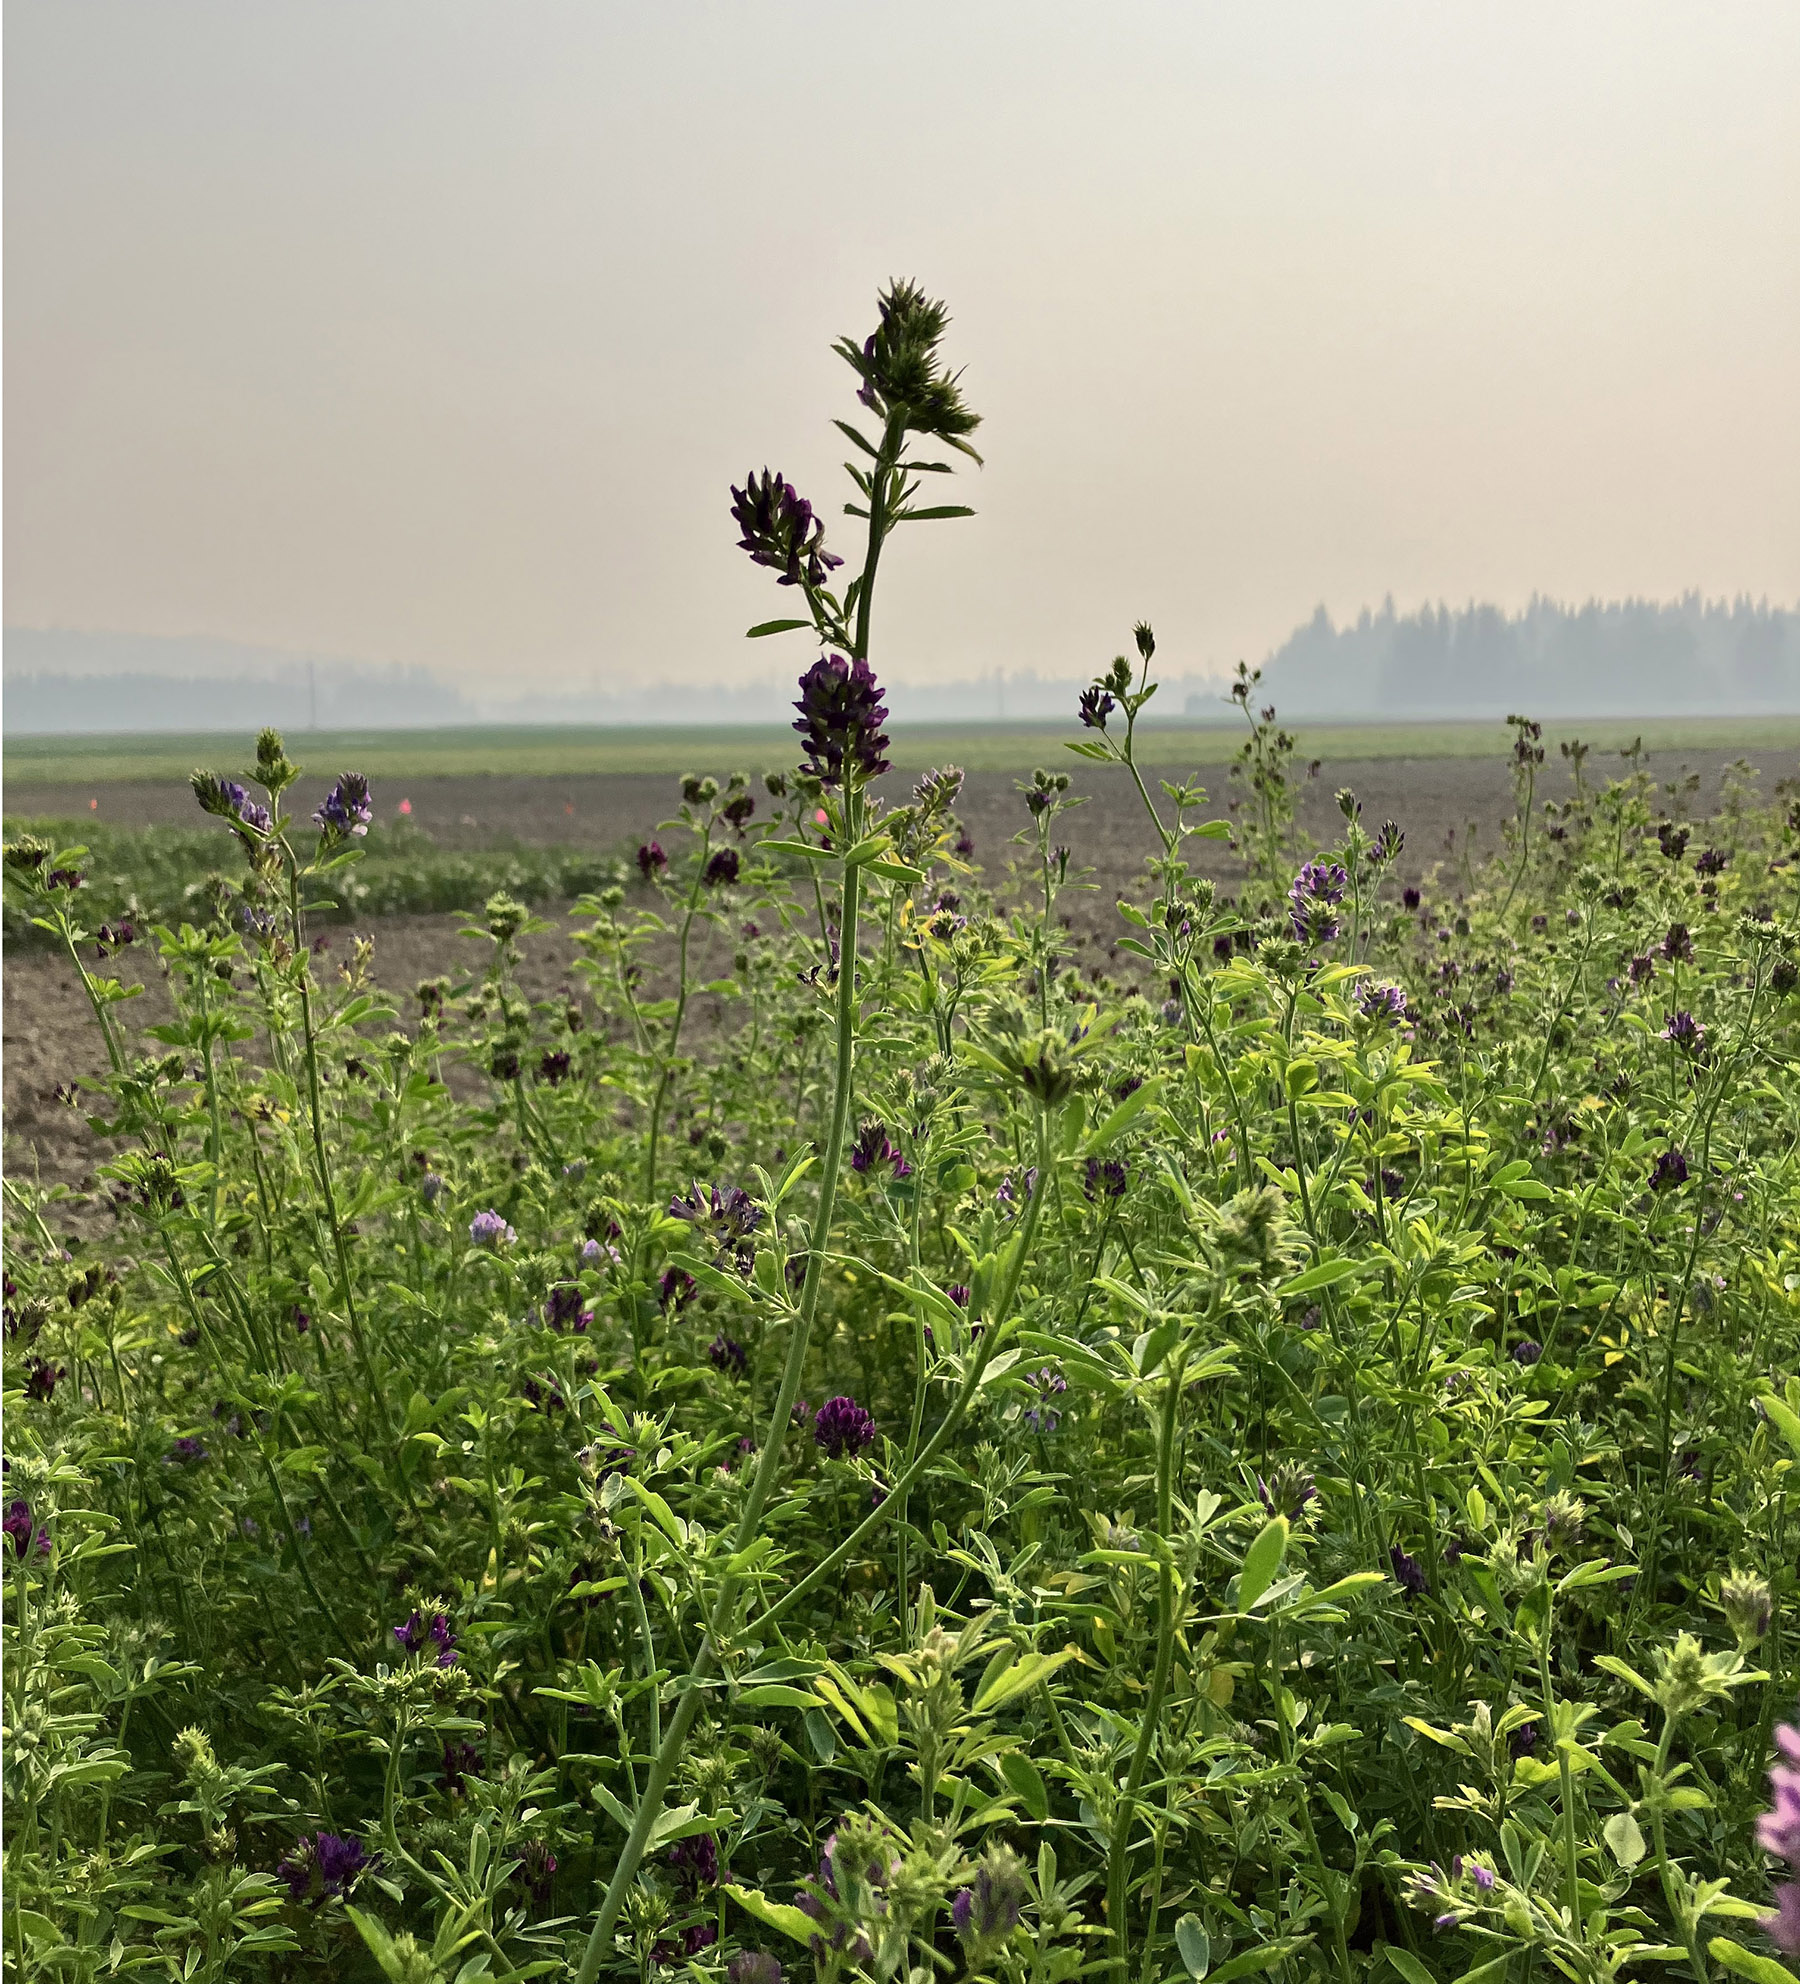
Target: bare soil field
x,y
50,1039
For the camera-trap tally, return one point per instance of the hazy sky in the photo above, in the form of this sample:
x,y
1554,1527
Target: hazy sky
x,y
433,332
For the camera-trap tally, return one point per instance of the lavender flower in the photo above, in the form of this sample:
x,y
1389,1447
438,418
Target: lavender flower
x,y
1383,1005
722,869
843,1428
489,1230
1669,1170
753,1967
651,860
323,1864
225,799
1685,1032
187,1452
347,808
1778,1832
781,532
1104,1180
841,714
537,1869
1287,1491
1317,890
1095,706
1040,1415
988,1910
1527,1353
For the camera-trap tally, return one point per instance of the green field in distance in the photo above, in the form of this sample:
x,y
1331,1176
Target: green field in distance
x,y
570,750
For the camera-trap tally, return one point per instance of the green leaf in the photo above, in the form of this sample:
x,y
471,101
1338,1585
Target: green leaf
x,y
1261,1561
1326,1274
937,510
1026,1781
1783,1418
778,1915
1745,1963
774,627
1408,1966
1194,1946
1624,1839
1018,1678
1264,1957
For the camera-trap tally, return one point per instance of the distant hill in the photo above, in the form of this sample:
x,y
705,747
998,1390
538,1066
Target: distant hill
x,y
1689,657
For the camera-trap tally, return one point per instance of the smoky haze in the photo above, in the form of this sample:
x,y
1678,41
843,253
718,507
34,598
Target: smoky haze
x,y
429,336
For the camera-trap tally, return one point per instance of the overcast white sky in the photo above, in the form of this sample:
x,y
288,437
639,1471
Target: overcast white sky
x,y
433,332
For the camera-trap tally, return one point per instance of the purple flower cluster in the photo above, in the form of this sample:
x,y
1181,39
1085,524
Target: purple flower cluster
x,y
1105,1181
1778,1832
1685,1032
1669,1170
728,1355
347,808
24,1532
696,1862
873,1148
322,1864
1095,706
1312,901
413,1636
722,869
1383,1005
1409,1573
780,530
1041,1416
489,1230
988,1910
730,1216
651,860
225,799
187,1452
843,1428
841,714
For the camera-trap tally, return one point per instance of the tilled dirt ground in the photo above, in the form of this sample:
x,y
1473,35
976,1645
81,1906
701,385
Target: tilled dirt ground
x,y
50,1038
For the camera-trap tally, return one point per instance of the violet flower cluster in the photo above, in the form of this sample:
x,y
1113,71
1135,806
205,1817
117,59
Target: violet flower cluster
x,y
781,532
347,808
1778,1832
841,714
1312,901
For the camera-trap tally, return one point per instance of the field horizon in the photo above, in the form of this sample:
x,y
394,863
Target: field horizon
x,y
551,750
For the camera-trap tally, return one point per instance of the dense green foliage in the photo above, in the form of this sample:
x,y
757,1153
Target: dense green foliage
x,y
1297,1476
165,875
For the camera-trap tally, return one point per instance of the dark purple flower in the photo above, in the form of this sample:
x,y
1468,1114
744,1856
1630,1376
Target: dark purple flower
x,y
1389,842
698,1936
651,860
1672,839
842,1427
739,810
1095,706
1685,1032
40,1379
187,1452
1669,1170
677,1290
1104,1180
1641,969
347,808
419,1633
1527,1353
696,1862
1409,1574
563,1308
1523,1740
729,1355
780,531
1287,1491
1712,862
1312,901
25,1533
460,1760
553,1069
65,878
1678,945
841,714
988,1909
323,1864
1409,899
1383,1004
722,869
958,1292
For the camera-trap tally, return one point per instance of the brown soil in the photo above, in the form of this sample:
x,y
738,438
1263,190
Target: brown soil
x,y
50,1038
